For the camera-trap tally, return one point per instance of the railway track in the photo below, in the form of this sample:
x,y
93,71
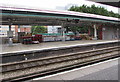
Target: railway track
x,y
30,68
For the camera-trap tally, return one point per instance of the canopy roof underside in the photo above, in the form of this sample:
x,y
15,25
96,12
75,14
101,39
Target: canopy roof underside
x,y
20,16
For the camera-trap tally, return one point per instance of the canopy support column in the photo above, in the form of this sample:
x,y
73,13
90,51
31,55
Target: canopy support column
x,y
118,33
95,32
10,34
63,33
9,26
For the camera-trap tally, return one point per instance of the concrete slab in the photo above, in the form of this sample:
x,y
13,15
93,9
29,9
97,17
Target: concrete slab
x,y
105,74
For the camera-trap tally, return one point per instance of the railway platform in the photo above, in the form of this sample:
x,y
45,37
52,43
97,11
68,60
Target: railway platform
x,y
20,52
48,45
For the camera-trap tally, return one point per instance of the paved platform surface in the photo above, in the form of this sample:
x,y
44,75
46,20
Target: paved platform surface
x,y
105,74
107,70
46,45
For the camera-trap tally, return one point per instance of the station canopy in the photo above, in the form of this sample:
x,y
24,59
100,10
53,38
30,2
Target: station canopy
x,y
33,16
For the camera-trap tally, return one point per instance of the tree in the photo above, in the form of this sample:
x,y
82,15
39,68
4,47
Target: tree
x,y
78,29
94,10
38,29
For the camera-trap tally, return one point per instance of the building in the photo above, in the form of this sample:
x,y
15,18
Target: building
x,y
4,29
54,29
14,28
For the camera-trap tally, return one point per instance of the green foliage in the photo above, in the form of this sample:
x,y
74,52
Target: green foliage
x,y
94,10
77,29
38,29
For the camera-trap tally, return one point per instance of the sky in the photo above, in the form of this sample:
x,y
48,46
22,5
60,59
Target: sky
x,y
54,4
